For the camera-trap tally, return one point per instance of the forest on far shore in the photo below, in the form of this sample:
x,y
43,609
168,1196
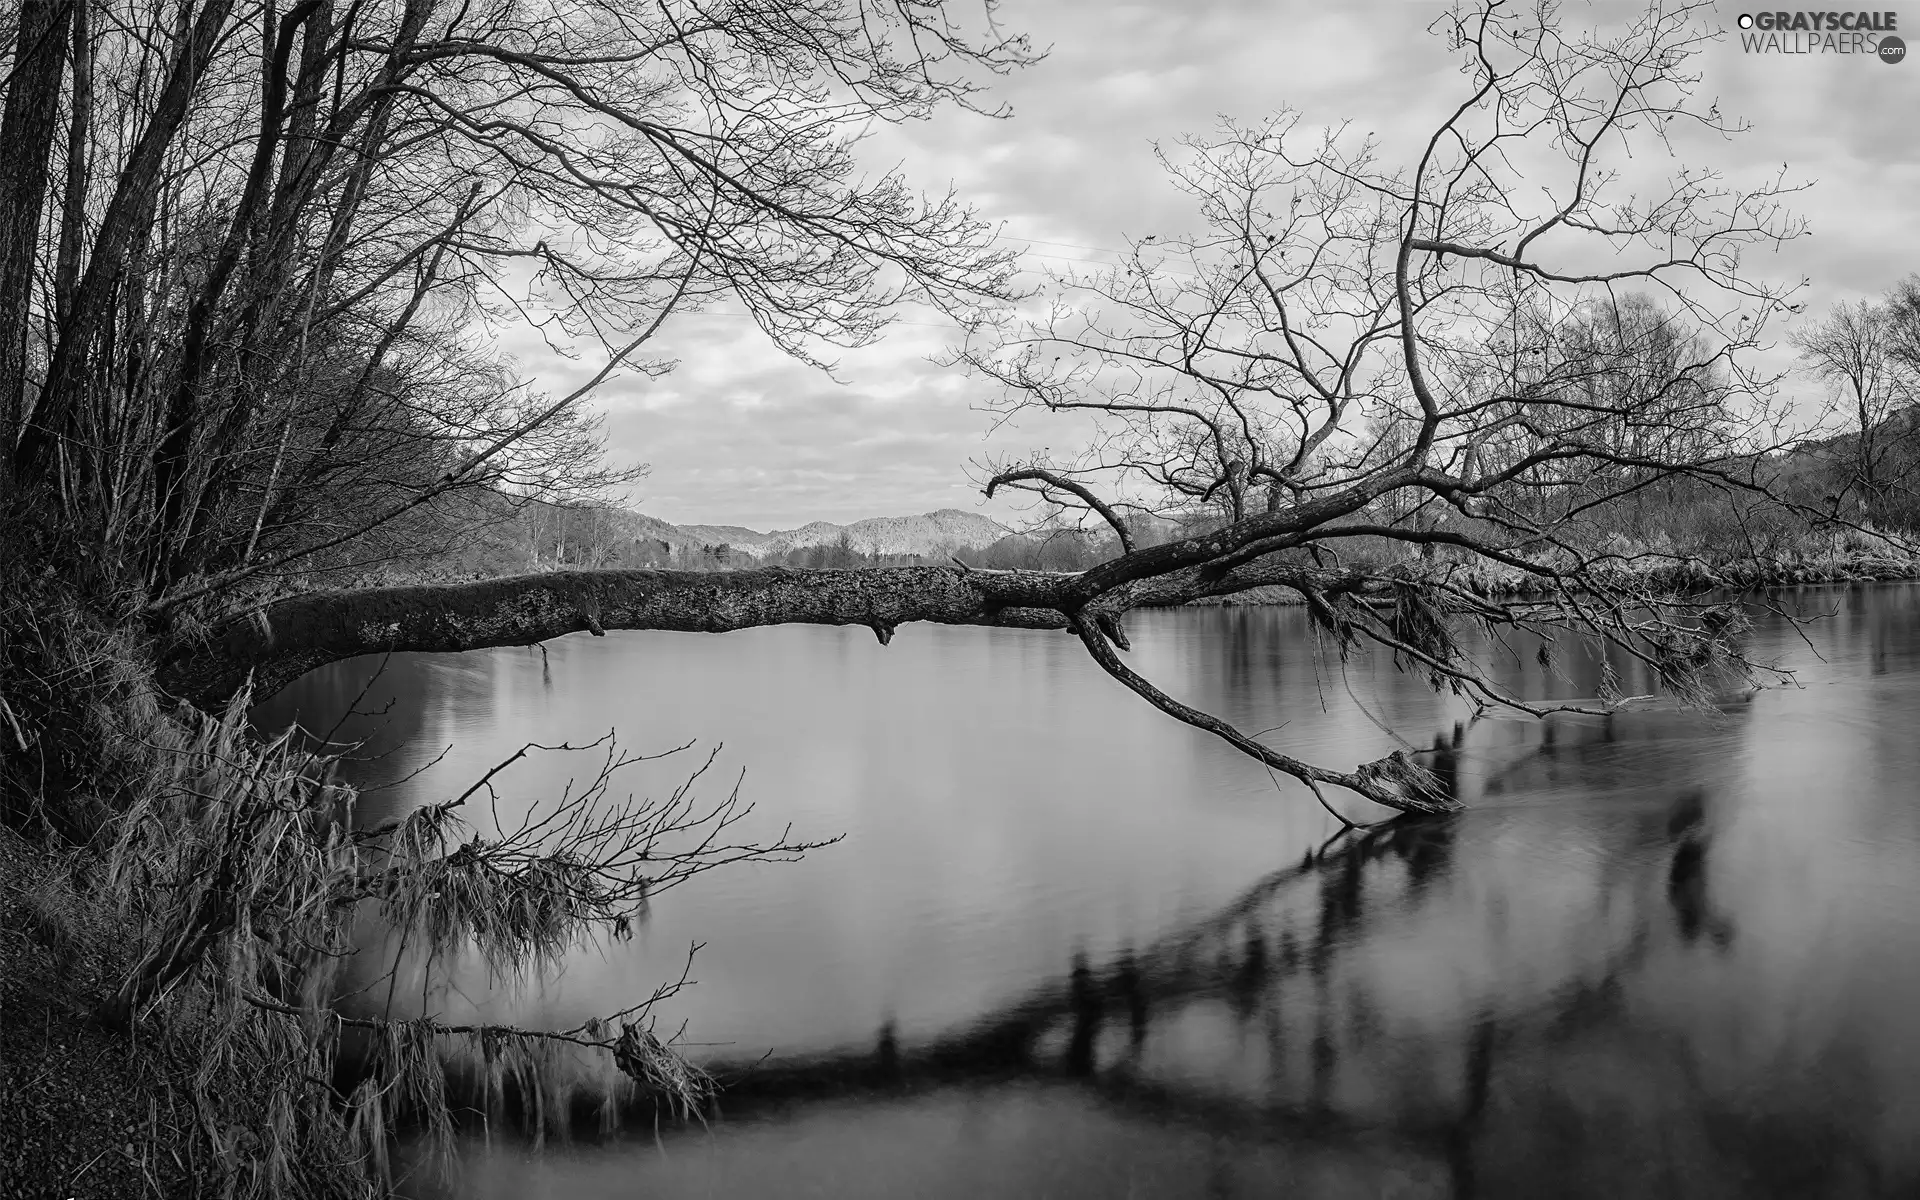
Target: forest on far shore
x,y
1865,482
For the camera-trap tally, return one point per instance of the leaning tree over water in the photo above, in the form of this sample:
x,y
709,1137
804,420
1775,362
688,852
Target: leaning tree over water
x,y
253,253
1479,351
255,258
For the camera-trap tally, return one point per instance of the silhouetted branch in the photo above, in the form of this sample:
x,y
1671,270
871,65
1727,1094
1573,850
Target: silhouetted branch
x,y
1085,493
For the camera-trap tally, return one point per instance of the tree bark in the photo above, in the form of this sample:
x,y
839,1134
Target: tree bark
x,y
286,639
26,141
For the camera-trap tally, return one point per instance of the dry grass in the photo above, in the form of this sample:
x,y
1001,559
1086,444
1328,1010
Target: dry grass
x,y
92,1113
240,873
191,932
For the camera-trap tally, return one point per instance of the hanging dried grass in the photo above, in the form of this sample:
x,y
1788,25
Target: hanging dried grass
x,y
236,869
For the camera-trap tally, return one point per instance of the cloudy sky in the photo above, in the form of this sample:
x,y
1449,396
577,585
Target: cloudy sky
x,y
740,435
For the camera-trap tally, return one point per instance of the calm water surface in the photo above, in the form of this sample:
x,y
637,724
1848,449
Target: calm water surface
x,y
1070,948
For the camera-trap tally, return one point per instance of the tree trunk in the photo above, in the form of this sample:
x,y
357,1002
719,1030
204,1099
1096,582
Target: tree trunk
x,y
173,492
132,202
290,637
275,645
26,141
73,205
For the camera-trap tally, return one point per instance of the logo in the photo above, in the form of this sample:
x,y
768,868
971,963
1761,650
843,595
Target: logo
x,y
1862,33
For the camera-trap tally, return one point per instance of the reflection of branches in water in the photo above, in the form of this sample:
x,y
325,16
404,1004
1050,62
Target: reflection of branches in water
x,y
1694,912
1287,965
1250,947
1202,959
515,894
521,894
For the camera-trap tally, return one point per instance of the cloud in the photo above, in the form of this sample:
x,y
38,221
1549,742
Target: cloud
x,y
742,435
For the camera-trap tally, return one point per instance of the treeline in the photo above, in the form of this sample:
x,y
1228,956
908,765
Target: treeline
x,y
1829,495
1670,518
510,537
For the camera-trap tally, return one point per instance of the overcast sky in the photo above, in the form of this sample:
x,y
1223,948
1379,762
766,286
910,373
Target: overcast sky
x,y
741,435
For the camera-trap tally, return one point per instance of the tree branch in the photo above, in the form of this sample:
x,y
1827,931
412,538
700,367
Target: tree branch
x,y
1394,781
1066,485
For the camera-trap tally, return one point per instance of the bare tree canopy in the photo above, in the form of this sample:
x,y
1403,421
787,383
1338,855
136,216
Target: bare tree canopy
x,y
1486,355
1865,353
1483,355
1485,349
260,325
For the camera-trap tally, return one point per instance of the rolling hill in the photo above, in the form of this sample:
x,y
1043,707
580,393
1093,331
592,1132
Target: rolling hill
x,y
928,533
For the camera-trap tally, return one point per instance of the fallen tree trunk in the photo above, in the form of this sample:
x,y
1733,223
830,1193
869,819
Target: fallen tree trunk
x,y
280,642
277,643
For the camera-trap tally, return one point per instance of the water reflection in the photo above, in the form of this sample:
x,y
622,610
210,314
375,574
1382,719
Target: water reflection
x,y
1658,955
1577,1075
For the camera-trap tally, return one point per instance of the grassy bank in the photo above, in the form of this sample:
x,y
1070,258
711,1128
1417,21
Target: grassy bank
x,y
178,895
88,1113
194,1095
91,1112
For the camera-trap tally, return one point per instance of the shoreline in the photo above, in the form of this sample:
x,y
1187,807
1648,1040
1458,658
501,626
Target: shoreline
x,y
97,1113
1683,577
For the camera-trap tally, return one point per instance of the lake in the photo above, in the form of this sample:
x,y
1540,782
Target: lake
x,y
1068,947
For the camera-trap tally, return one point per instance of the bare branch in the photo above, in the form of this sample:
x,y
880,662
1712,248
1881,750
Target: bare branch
x,y
1053,480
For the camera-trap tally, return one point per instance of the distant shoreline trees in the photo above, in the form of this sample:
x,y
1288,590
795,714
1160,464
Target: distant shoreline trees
x,y
1868,355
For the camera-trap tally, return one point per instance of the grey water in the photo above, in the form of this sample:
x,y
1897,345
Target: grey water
x,y
1068,947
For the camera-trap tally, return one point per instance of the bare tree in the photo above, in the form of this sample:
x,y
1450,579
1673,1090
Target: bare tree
x,y
278,340
1350,356
1480,356
1857,351
255,258
1903,303
274,348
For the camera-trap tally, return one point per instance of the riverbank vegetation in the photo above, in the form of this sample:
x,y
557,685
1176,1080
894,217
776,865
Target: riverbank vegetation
x,y
250,255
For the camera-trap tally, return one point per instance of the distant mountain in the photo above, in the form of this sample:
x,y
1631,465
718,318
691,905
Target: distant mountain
x,y
949,528
946,530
